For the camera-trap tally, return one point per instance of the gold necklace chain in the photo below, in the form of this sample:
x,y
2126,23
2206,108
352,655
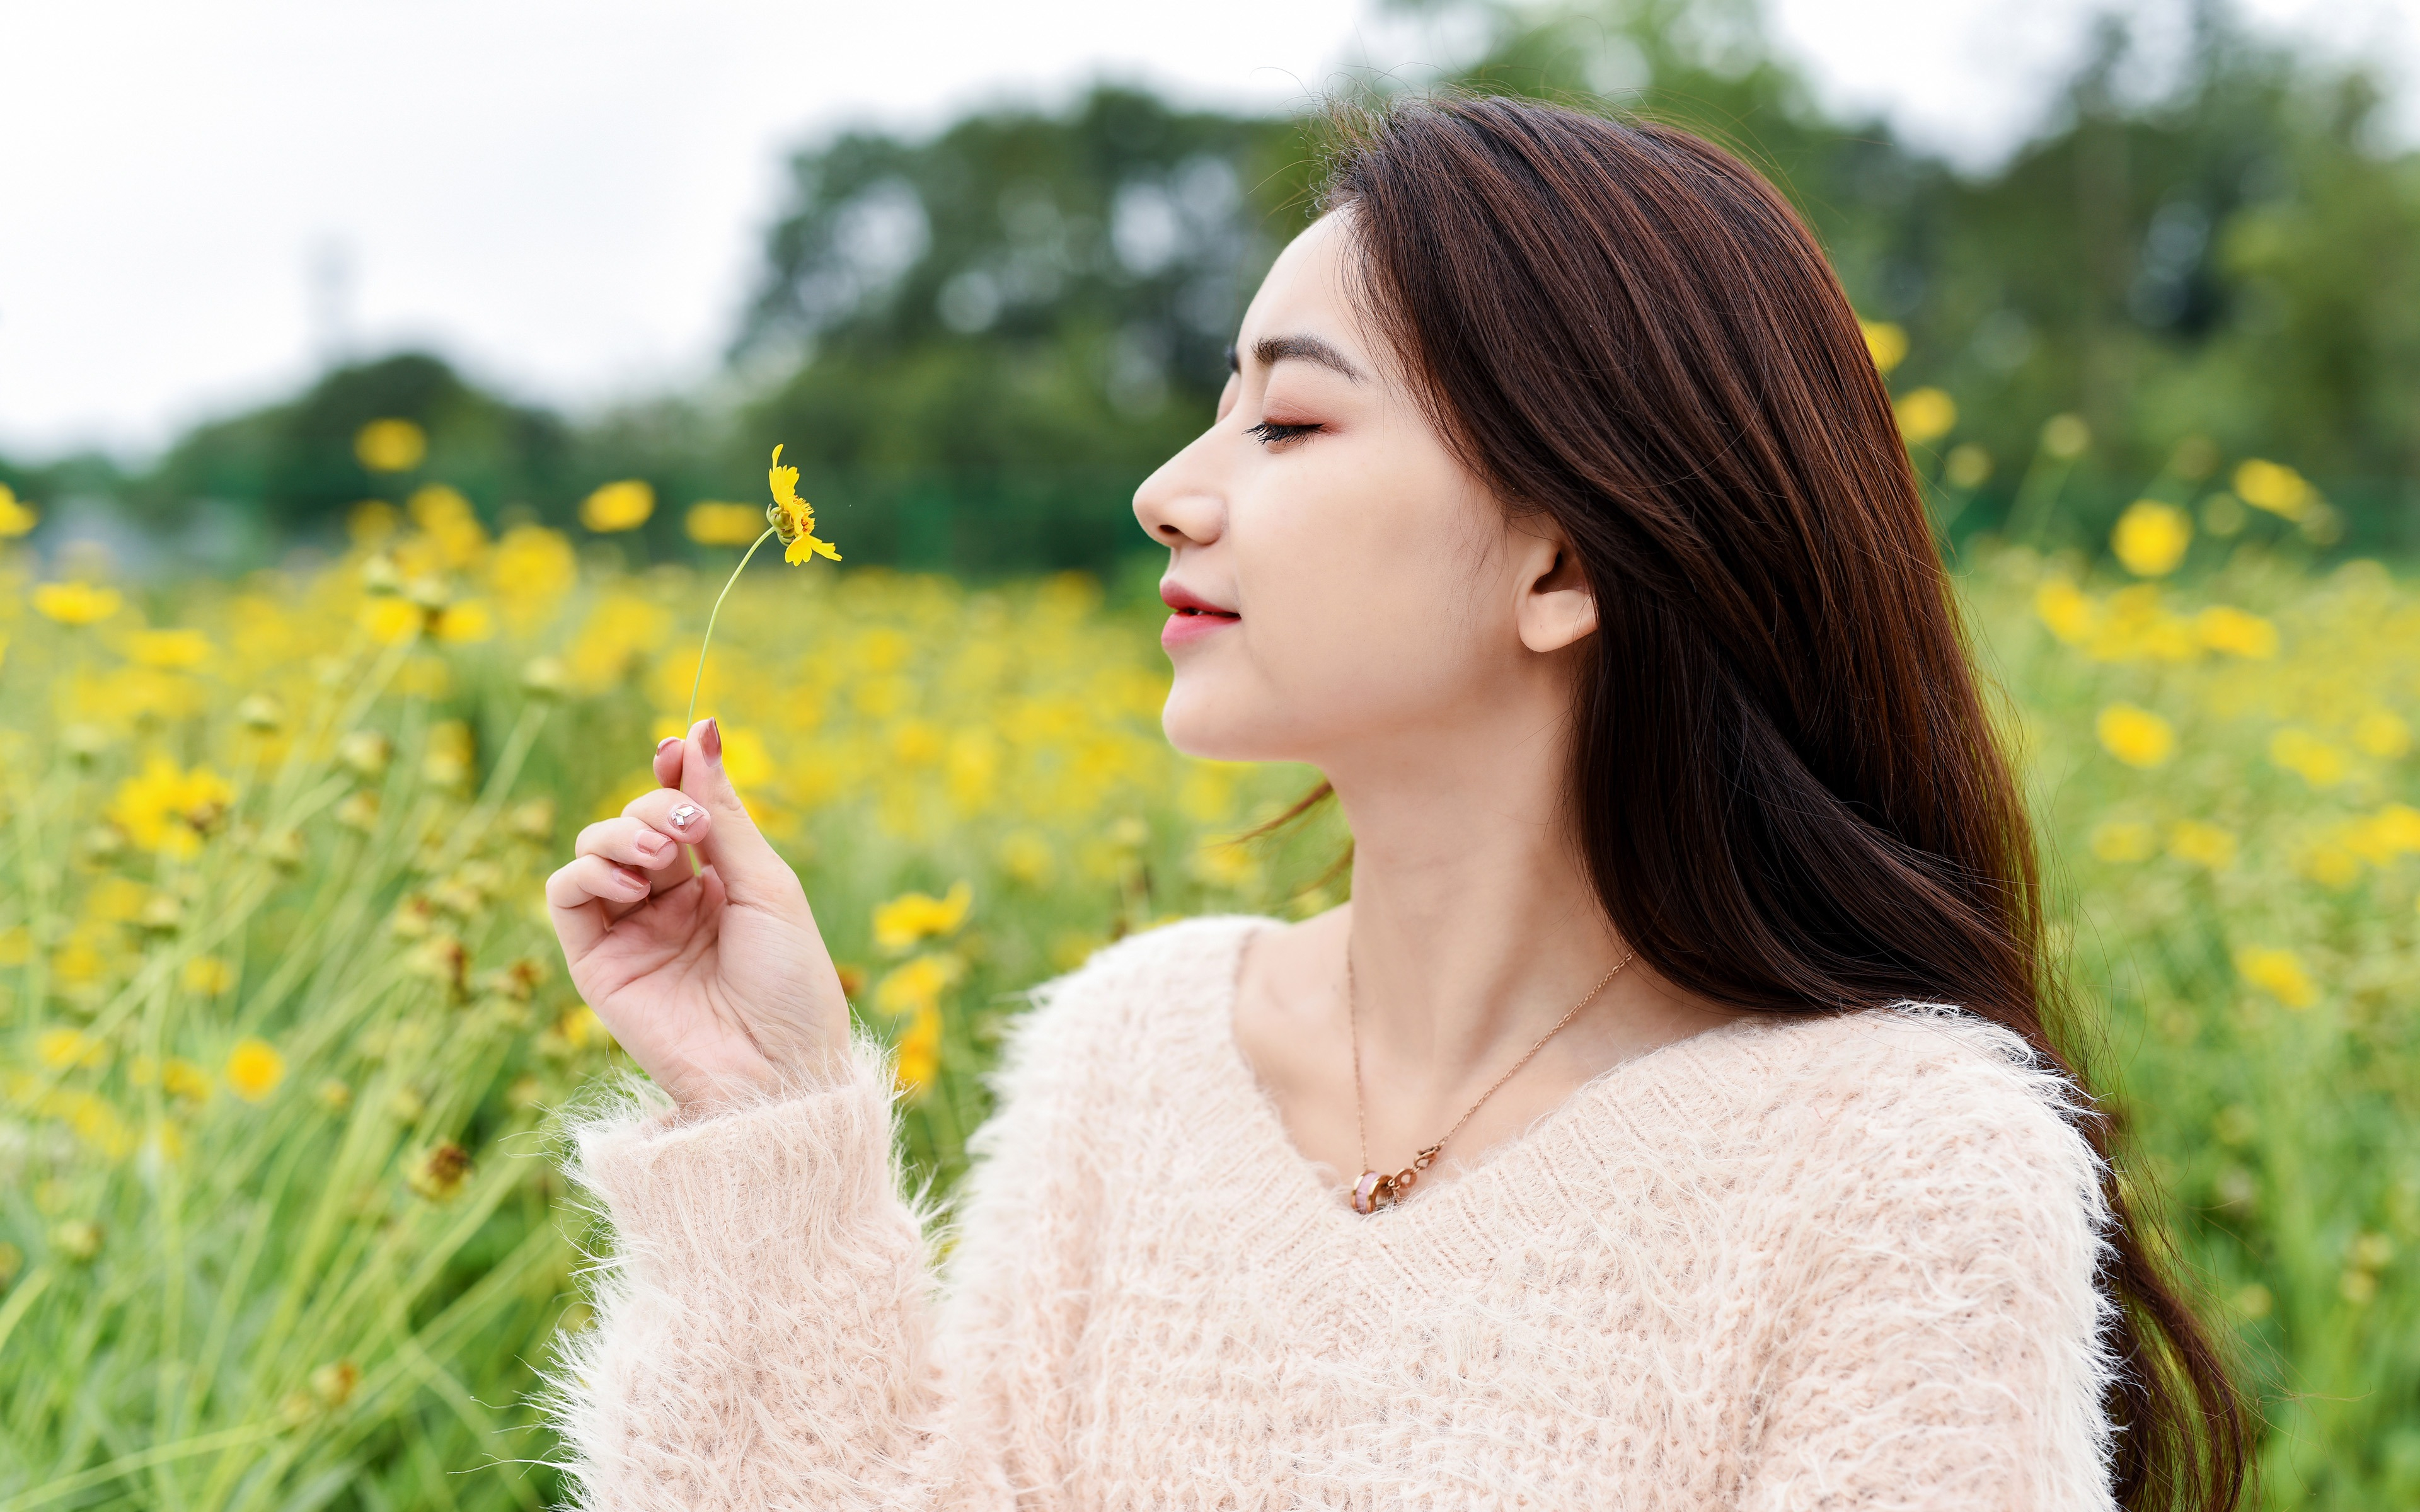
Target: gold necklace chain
x,y
1373,1191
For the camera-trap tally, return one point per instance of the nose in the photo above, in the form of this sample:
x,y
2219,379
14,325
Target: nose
x,y
1182,503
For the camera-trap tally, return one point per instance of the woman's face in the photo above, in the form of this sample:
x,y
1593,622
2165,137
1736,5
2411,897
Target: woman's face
x,y
1356,583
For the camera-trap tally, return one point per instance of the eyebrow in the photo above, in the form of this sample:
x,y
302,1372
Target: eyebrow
x,y
1270,350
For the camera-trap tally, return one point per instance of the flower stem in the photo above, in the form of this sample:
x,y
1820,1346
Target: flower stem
x,y
699,680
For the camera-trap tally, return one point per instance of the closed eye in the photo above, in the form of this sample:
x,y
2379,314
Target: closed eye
x,y
1271,434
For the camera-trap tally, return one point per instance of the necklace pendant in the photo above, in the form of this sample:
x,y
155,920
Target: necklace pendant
x,y
1372,1191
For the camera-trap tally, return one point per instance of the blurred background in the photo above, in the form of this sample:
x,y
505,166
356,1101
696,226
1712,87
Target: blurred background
x,y
386,398
979,272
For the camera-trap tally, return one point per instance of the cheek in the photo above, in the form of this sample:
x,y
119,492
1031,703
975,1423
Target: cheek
x,y
1362,597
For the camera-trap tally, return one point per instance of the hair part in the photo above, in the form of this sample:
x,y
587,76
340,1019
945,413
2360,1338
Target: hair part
x,y
1785,785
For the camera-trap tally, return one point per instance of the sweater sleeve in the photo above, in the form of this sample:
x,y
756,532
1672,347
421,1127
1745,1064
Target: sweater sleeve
x,y
1940,1343
771,1330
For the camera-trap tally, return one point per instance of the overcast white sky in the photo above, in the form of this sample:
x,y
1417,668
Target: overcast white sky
x,y
564,195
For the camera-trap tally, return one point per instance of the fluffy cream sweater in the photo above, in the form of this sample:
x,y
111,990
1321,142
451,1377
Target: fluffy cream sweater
x,y
1829,1262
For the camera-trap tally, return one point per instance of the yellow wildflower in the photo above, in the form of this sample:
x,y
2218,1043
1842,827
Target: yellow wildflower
x,y
1967,466
76,603
2330,865
60,1049
2068,610
2123,840
183,1078
2275,487
168,650
2277,972
793,518
920,1050
2206,844
2380,838
1927,416
15,519
2136,737
465,622
1886,341
2151,537
207,976
451,525
2314,760
390,445
438,1174
919,984
2236,633
713,523
2065,436
2382,734
914,916
169,809
254,1069
618,506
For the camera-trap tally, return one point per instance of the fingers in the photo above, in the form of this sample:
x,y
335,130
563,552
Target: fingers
x,y
733,845
584,895
668,761
632,840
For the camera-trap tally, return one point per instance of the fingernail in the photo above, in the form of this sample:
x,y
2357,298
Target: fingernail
x,y
710,742
630,878
685,815
654,843
668,740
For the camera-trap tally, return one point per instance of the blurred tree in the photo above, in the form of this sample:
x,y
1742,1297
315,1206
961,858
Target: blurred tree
x,y
2236,257
992,336
296,462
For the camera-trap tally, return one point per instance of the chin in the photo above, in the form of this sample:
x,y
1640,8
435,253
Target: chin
x,y
1211,725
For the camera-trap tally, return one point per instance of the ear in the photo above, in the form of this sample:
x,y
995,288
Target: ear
x,y
1557,607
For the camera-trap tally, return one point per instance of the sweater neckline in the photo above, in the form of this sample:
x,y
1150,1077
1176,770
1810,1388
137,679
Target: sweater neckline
x,y
1554,1130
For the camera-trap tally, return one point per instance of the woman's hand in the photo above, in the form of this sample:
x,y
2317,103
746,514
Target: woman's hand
x,y
717,983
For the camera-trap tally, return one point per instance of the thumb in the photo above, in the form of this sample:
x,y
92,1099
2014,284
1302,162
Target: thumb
x,y
734,846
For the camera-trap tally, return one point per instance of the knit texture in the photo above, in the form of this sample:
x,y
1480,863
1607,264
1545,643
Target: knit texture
x,y
1826,1262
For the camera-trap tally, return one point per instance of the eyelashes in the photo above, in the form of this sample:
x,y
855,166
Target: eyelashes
x,y
1269,433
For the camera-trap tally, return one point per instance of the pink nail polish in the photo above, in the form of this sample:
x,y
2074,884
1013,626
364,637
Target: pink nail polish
x,y
710,741
668,740
686,815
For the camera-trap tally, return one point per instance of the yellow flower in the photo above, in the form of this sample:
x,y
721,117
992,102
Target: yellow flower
x,y
2236,633
2275,487
168,809
532,567
438,1174
76,603
168,650
2124,841
1885,343
920,1050
2192,840
793,518
59,1049
254,1069
919,984
464,622
2314,760
2393,831
2330,865
181,1078
618,506
1968,466
2136,737
2151,537
207,976
2278,973
2382,734
2068,610
2065,436
390,445
15,519
711,523
914,916
1927,416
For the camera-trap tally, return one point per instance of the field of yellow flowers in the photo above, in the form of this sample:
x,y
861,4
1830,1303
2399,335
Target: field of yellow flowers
x,y
283,1031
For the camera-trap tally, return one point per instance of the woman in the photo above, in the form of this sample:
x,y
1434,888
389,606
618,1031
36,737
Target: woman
x,y
1670,1120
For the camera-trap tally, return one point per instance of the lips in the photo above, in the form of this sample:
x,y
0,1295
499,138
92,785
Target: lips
x,y
1195,616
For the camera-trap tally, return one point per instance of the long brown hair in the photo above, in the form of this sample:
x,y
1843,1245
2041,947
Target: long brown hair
x,y
1785,784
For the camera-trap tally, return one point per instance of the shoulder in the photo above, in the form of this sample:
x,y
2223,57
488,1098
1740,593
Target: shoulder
x,y
1132,1002
1919,1112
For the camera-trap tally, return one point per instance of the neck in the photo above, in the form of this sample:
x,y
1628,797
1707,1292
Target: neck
x,y
1474,925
